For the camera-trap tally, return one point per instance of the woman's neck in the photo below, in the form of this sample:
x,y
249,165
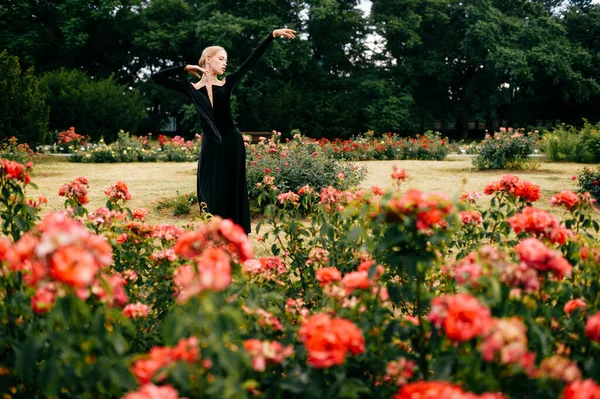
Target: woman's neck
x,y
209,78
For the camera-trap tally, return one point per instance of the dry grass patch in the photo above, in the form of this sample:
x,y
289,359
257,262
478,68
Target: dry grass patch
x,y
151,182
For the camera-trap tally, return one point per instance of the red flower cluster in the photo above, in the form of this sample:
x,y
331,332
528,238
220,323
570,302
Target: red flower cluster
x,y
328,275
160,357
118,191
429,209
511,185
565,198
76,190
167,232
266,352
573,304
439,390
586,389
539,223
328,340
538,256
13,170
592,327
216,233
462,316
69,135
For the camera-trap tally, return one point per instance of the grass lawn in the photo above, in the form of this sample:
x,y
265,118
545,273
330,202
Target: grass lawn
x,y
151,182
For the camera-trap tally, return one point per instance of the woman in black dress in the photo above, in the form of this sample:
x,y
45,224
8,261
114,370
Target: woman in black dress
x,y
221,181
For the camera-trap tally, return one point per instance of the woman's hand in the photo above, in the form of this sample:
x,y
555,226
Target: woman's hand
x,y
194,69
289,33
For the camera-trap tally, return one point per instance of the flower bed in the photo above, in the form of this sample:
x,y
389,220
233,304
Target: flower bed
x,y
379,293
429,146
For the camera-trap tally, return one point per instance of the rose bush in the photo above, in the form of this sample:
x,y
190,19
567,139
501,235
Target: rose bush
x,y
394,293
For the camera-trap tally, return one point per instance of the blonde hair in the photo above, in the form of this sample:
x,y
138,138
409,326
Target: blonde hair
x,y
209,52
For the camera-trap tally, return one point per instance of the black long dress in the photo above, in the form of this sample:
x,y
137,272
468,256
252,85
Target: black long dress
x,y
221,181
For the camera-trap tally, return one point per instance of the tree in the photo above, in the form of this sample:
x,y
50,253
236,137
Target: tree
x,y
23,111
96,107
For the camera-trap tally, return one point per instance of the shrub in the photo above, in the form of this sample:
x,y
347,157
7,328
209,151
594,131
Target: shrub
x,y
98,107
294,165
23,110
567,143
11,149
506,149
589,181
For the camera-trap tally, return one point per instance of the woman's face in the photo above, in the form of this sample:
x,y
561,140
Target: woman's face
x,y
218,62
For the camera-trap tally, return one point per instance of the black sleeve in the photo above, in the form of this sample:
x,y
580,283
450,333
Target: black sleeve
x,y
163,78
249,63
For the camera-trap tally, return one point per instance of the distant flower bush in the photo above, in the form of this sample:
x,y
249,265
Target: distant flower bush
x,y
506,149
12,150
390,146
129,148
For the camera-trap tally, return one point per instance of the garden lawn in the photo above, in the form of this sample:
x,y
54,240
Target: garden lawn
x,y
151,182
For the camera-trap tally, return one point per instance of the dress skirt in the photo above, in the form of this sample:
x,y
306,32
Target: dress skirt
x,y
221,181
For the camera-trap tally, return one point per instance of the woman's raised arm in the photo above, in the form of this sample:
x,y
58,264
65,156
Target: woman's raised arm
x,y
164,78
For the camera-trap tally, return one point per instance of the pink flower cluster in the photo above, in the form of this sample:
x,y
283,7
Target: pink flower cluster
x,y
470,197
505,342
470,217
266,352
539,223
209,271
264,318
151,391
538,256
76,190
511,185
399,371
135,310
289,197
216,233
267,267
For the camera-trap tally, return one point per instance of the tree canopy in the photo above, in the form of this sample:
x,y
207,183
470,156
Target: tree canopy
x,y
443,64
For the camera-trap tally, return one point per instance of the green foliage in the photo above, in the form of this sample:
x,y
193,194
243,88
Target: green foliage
x,y
98,107
507,149
181,204
23,110
571,144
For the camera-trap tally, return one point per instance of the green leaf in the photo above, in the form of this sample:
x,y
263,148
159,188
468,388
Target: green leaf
x,y
25,358
442,367
48,378
353,389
